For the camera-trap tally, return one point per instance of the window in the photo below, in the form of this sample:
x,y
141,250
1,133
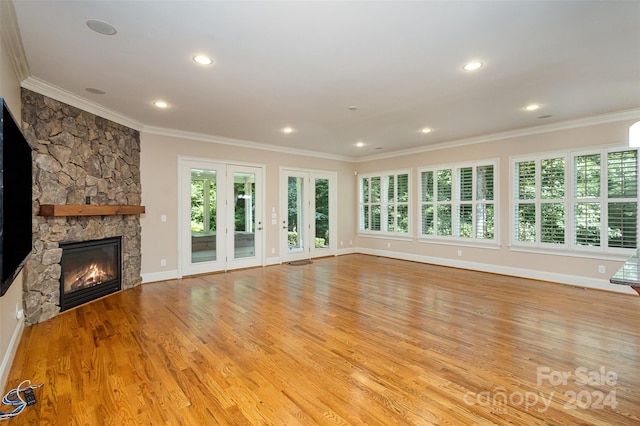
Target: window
x,y
595,209
203,201
540,200
384,203
458,201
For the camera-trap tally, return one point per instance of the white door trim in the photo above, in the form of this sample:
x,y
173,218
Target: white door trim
x,y
185,163
309,245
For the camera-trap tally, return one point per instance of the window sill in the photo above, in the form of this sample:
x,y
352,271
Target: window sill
x,y
616,257
460,242
397,237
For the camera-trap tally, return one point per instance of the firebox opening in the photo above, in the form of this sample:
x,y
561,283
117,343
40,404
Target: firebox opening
x,y
90,270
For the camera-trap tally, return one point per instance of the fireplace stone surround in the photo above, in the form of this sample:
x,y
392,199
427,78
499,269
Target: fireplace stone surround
x,y
77,155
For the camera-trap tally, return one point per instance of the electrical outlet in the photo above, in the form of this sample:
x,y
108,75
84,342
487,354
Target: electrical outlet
x,y
163,262
388,245
273,250
341,243
460,253
19,311
602,269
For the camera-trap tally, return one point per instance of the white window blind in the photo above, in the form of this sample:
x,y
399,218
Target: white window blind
x,y
599,201
552,204
622,203
427,199
458,201
485,210
384,203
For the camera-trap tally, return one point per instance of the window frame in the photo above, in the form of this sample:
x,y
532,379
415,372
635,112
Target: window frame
x,y
454,203
384,204
571,200
537,201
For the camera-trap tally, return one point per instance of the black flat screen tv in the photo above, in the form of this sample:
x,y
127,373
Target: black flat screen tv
x,y
15,199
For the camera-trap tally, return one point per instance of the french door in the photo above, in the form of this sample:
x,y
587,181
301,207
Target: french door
x,y
220,216
308,214
244,226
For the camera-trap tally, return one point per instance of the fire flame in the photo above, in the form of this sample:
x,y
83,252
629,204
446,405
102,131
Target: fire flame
x,y
96,274
93,275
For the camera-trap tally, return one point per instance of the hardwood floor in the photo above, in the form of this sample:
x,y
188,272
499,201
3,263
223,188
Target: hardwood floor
x,y
349,340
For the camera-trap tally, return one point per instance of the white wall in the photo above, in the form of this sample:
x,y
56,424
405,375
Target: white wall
x,y
159,160
562,267
159,176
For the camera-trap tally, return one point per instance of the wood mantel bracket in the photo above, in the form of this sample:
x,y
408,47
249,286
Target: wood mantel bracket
x,y
60,210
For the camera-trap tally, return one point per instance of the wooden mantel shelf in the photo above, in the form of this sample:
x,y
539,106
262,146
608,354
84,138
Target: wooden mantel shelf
x,y
87,210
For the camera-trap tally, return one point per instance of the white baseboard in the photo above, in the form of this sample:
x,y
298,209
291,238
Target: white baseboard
x,y
350,250
272,261
10,354
599,284
159,276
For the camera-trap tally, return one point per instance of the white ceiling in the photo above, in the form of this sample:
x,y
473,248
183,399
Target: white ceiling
x,y
303,63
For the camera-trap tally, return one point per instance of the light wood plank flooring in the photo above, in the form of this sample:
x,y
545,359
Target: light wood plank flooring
x,y
349,340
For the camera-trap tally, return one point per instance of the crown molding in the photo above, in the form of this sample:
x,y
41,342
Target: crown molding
x,y
10,34
632,114
163,131
40,86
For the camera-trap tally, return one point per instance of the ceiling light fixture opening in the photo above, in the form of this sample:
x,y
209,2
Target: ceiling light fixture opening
x,y
287,130
161,104
101,27
426,130
360,144
203,60
532,107
472,66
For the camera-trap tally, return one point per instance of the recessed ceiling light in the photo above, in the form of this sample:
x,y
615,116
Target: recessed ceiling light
x,y
532,107
95,91
426,130
161,104
472,66
287,130
101,27
360,144
203,60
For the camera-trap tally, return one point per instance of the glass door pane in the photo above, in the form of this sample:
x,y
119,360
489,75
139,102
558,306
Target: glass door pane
x,y
295,214
203,215
322,213
244,215
308,206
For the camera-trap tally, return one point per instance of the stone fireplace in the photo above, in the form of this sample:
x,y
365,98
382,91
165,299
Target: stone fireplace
x,y
77,157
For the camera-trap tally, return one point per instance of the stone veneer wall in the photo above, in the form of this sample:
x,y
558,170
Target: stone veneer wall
x,y
77,154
